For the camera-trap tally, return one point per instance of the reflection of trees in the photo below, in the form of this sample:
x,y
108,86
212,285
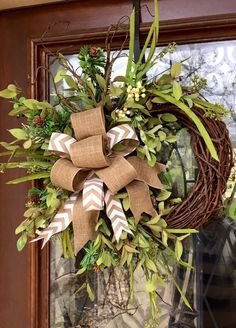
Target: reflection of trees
x,y
112,307
216,62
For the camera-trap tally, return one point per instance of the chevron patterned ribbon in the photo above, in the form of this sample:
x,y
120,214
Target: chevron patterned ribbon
x,y
116,214
93,195
92,163
60,144
60,221
122,133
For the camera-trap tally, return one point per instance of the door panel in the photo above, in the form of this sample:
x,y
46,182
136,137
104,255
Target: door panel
x,y
24,276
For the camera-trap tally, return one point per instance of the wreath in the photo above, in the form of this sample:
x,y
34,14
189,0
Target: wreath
x,y
101,152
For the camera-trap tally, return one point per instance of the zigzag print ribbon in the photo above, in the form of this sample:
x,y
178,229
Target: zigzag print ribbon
x,y
116,214
93,195
60,221
60,144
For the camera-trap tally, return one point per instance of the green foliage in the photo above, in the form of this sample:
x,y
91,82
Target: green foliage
x,y
21,242
214,111
39,175
90,292
19,134
52,198
175,70
177,90
232,209
10,92
91,60
101,81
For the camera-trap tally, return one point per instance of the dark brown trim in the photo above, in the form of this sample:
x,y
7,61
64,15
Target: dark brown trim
x,y
55,2
39,286
218,28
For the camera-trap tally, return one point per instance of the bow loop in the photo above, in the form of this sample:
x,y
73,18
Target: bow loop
x,y
88,123
118,174
67,176
90,152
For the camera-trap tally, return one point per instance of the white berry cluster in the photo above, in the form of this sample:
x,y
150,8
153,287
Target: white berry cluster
x,y
120,113
134,93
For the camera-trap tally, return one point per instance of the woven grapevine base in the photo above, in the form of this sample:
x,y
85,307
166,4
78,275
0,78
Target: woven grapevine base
x,y
206,197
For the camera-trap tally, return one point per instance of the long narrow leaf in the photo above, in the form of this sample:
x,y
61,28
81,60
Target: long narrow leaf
x,y
40,175
182,231
147,67
195,119
156,19
131,42
146,43
26,165
167,270
186,302
153,47
155,32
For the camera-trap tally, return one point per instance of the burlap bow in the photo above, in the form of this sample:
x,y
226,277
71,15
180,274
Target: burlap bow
x,y
93,165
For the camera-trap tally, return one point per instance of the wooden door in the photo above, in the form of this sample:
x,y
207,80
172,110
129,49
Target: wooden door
x,y
24,35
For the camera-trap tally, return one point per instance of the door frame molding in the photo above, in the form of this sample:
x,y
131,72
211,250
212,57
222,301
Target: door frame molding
x,y
212,28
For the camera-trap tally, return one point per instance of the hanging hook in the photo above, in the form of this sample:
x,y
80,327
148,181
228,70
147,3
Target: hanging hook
x,y
137,47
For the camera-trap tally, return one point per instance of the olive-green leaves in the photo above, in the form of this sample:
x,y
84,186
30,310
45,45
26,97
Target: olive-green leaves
x,y
90,292
31,103
101,81
164,195
19,134
21,242
63,75
175,70
177,90
52,198
178,249
60,75
169,118
125,203
10,92
121,78
115,91
27,144
153,37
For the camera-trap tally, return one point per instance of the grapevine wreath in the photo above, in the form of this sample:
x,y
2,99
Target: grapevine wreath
x,y
101,153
